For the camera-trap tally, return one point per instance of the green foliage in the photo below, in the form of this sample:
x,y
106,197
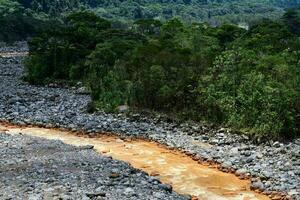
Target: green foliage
x,y
257,95
16,27
8,7
148,26
65,45
248,80
21,19
267,35
213,11
292,19
52,8
16,23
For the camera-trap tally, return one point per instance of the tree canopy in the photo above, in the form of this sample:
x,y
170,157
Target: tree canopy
x,y
213,11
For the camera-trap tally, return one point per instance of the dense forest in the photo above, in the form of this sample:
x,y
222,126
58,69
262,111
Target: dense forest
x,y
213,11
16,22
20,19
245,79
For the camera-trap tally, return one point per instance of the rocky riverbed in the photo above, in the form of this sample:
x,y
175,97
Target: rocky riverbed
x,y
275,165
39,169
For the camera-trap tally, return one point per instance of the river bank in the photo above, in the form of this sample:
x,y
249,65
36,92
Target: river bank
x,y
33,168
275,165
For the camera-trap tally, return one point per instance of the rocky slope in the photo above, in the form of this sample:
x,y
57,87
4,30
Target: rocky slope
x,y
275,165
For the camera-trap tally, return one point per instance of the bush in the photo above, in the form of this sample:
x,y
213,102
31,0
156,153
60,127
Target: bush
x,y
253,95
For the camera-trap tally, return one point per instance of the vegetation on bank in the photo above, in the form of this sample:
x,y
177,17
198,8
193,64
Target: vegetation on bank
x,y
248,80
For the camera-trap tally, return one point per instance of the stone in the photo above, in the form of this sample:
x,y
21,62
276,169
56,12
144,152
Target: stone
x,y
258,185
240,172
227,164
129,191
259,155
94,195
293,193
166,187
234,150
250,158
86,147
268,174
276,144
83,91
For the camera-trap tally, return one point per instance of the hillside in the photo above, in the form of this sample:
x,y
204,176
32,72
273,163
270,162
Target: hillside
x,y
213,11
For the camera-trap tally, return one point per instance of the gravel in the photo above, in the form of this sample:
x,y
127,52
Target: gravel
x,y
36,169
275,165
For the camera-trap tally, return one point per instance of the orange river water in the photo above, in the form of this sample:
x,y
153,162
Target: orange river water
x,y
172,167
